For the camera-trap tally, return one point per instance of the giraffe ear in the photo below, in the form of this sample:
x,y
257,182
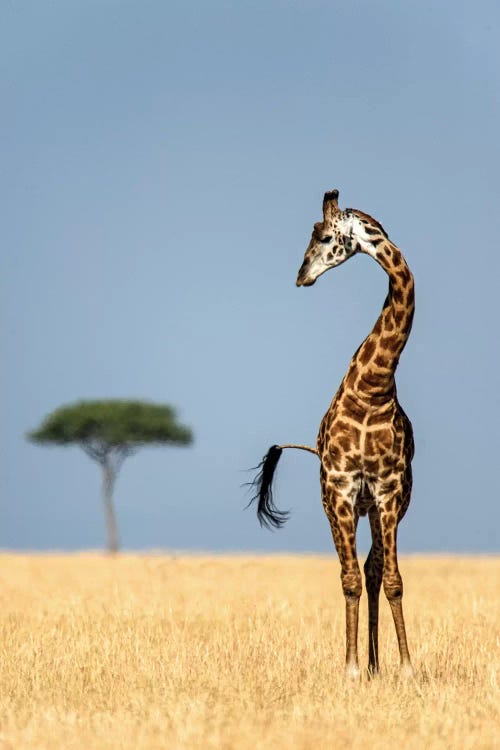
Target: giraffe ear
x,y
330,204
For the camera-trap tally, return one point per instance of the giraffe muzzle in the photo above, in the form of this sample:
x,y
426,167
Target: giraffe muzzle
x,y
305,282
302,279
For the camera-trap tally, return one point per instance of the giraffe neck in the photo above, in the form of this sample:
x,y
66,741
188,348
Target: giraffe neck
x,y
371,373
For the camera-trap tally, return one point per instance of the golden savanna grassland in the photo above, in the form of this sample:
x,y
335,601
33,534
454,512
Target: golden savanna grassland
x,y
239,652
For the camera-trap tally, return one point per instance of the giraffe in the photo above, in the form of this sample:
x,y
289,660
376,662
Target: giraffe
x,y
365,441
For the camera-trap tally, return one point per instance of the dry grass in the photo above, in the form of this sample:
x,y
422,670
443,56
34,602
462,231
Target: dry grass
x,y
238,652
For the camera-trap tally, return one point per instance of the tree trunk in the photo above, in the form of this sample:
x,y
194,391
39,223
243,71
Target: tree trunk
x,y
108,483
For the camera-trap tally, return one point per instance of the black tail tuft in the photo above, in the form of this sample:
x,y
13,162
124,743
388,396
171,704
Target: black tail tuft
x,y
267,513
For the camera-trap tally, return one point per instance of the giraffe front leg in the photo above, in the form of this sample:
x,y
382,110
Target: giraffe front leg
x,y
392,581
343,522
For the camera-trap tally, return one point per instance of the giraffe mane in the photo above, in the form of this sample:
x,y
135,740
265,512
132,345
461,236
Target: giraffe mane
x,y
369,219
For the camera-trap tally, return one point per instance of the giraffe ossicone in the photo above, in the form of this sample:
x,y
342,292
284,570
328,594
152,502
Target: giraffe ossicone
x,y
365,441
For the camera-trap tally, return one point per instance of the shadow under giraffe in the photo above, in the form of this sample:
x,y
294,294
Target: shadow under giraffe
x,y
365,441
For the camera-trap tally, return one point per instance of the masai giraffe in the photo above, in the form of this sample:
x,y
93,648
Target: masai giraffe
x,y
365,441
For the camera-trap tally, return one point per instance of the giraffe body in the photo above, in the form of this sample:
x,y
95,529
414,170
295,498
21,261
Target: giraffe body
x,y
365,440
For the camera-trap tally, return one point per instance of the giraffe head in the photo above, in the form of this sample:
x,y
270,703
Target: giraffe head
x,y
335,239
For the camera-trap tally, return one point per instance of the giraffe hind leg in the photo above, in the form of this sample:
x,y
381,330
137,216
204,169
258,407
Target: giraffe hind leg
x,y
373,569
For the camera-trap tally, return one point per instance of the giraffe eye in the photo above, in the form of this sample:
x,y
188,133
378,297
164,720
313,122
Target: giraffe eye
x,y
325,240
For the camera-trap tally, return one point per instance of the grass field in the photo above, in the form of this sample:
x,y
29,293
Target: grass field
x,y
239,652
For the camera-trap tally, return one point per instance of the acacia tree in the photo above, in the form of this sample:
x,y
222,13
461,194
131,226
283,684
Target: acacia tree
x,y
110,431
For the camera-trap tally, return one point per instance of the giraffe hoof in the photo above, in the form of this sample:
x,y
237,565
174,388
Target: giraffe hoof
x,y
406,672
352,673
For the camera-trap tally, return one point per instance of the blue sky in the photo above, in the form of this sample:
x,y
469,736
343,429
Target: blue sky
x,y
162,166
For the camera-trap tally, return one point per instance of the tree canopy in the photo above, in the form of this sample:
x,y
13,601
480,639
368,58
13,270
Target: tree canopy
x,y
102,427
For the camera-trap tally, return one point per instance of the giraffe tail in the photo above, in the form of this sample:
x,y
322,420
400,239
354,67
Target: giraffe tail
x,y
267,512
